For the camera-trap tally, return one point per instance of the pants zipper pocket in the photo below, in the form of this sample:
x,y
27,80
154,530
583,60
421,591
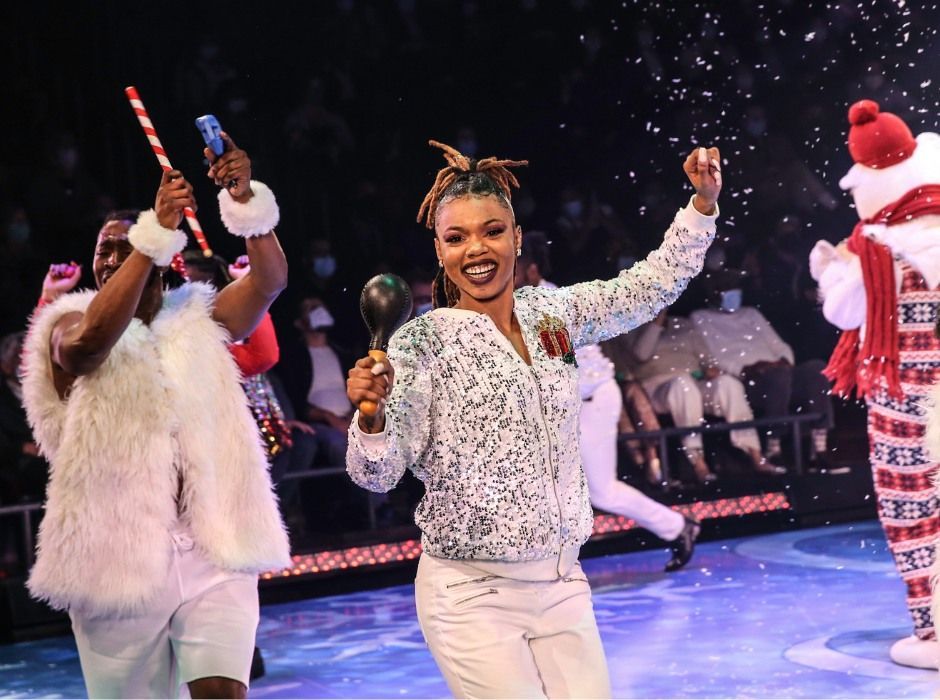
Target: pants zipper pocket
x,y
488,591
480,579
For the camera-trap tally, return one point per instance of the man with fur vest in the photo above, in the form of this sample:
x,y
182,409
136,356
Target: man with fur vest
x,y
881,286
159,511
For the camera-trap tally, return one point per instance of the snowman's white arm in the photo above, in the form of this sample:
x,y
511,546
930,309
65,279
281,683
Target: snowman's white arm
x,y
841,287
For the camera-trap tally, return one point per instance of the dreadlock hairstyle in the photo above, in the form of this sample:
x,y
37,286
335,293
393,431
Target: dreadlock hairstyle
x,y
464,177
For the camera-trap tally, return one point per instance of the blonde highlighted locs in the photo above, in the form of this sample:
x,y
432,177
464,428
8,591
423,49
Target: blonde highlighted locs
x,y
462,177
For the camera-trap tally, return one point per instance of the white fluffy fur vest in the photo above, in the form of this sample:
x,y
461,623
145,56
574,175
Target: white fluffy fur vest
x,y
170,389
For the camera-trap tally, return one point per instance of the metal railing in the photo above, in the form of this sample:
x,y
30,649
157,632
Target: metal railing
x,y
795,421
25,510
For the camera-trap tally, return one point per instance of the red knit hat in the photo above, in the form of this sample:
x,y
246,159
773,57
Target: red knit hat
x,y
878,139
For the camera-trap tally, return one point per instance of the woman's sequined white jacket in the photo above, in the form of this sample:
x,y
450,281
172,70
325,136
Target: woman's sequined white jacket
x,y
494,440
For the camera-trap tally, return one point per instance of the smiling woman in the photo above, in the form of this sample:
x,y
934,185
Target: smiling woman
x,y
481,191
482,405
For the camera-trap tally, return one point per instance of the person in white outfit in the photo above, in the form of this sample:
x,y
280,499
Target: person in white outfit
x,y
159,512
683,379
745,345
480,400
601,406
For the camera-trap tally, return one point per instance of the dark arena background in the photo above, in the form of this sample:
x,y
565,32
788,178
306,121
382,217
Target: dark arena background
x,y
792,591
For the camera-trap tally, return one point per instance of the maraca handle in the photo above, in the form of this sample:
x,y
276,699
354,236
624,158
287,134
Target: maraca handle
x,y
370,408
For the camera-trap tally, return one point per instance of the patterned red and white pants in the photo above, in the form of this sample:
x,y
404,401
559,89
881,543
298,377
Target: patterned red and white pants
x,y
903,472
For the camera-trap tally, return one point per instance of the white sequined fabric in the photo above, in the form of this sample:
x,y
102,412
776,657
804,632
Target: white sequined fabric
x,y
494,440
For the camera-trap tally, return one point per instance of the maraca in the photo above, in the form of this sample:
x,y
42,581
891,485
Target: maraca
x,y
385,304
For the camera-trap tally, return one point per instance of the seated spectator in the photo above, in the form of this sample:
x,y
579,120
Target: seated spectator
x,y
638,415
23,472
584,228
314,374
288,443
298,458
421,284
745,345
675,367
533,264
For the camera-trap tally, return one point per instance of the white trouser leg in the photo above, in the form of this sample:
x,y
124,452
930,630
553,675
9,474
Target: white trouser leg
x,y
599,458
724,396
201,623
680,397
495,637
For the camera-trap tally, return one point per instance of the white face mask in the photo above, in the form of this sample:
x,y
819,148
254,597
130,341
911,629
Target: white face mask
x,y
573,208
324,266
320,318
731,300
422,309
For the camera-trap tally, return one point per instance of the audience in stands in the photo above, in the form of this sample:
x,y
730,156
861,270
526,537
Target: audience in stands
x,y
314,374
638,415
23,472
745,345
676,369
290,444
421,284
345,175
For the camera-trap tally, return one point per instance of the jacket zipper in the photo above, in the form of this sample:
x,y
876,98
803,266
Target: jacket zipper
x,y
551,472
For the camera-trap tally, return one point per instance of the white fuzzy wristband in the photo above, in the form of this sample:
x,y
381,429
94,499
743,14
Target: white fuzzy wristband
x,y
256,217
153,240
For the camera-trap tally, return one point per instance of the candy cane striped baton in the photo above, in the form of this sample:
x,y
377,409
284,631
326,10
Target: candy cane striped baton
x,y
151,134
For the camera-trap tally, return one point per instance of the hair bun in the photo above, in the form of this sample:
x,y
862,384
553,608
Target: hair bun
x,y
863,111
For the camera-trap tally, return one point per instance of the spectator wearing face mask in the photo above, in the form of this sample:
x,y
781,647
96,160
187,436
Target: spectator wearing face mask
x,y
745,345
314,374
584,228
422,289
320,265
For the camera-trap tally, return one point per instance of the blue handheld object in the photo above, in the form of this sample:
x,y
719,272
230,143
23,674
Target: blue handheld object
x,y
210,129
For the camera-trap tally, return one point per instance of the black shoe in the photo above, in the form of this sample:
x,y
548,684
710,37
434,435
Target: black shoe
x,y
683,546
768,466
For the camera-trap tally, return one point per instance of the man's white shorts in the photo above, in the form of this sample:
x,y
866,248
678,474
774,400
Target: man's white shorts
x,y
202,623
